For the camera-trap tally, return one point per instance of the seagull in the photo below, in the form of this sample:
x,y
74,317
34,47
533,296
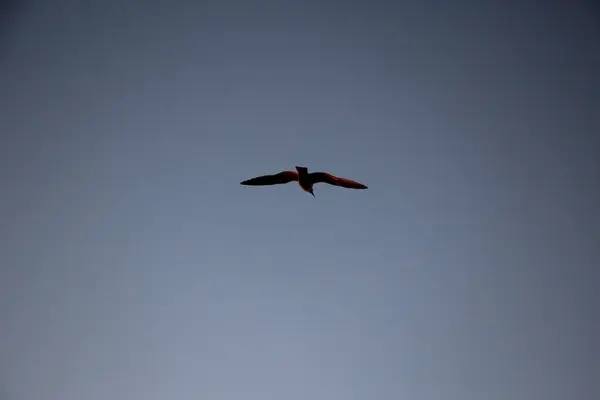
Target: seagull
x,y
305,180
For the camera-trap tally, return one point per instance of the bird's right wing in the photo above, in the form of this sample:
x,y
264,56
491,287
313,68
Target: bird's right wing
x,y
277,179
324,177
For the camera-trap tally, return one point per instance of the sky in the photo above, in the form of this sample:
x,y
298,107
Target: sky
x,y
133,265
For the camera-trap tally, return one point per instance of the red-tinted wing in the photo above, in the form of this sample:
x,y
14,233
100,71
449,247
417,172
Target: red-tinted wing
x,y
317,177
280,178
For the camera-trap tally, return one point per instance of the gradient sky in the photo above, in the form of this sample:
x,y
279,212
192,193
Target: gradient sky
x,y
134,266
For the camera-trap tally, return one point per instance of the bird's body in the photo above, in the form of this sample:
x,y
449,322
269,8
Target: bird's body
x,y
305,180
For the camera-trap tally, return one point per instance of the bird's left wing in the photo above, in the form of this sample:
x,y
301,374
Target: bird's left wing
x,y
276,179
324,177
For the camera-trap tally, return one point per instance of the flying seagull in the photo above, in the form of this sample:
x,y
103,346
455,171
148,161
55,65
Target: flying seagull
x,y
305,180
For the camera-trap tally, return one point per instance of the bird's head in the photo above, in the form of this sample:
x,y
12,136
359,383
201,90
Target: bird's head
x,y
301,169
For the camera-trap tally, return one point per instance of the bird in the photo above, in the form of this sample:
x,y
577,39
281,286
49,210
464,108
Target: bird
x,y
305,179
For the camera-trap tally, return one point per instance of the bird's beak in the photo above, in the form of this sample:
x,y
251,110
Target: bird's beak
x,y
312,194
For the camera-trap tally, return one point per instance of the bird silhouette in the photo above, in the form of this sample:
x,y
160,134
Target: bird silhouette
x,y
305,179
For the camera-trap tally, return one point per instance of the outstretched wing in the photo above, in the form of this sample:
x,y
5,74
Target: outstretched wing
x,y
277,179
317,177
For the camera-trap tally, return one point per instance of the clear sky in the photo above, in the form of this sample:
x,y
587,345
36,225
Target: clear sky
x,y
134,266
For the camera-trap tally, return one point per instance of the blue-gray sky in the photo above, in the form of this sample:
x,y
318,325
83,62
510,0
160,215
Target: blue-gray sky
x,y
134,265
